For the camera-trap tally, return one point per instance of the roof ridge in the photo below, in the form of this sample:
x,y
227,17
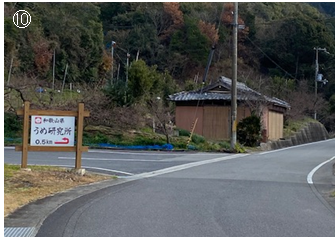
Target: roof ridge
x,y
244,93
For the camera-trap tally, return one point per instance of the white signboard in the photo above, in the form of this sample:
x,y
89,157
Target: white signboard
x,y
52,130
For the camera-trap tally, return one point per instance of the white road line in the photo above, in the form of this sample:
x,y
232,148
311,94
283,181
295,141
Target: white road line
x,y
9,147
130,153
291,147
109,170
106,159
310,175
185,166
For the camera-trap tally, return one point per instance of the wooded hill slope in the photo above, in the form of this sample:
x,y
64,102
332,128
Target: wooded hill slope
x,y
160,48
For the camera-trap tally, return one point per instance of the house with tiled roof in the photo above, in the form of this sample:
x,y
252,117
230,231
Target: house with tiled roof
x,y
209,110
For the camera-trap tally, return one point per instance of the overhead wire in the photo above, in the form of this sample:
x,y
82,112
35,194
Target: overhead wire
x,y
286,73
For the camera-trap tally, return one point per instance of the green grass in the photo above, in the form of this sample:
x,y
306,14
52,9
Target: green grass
x,y
239,148
146,130
293,126
45,168
9,170
333,194
94,135
101,134
145,136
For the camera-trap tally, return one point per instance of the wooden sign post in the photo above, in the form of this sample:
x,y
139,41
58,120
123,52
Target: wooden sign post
x,y
52,130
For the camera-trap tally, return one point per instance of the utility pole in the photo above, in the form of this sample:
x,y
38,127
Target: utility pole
x,y
10,70
113,43
317,75
234,81
316,78
118,72
137,55
127,71
64,77
53,70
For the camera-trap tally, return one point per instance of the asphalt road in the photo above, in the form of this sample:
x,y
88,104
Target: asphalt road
x,y
120,163
263,195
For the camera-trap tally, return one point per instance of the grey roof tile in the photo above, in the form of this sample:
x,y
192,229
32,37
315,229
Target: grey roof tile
x,y
244,93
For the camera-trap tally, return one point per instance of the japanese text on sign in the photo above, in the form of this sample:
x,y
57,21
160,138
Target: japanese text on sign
x,y
52,131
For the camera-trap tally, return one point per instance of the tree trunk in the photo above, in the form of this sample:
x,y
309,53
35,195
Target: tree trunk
x,y
166,132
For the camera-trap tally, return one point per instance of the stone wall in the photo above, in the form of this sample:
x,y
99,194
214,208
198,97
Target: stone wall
x,y
312,132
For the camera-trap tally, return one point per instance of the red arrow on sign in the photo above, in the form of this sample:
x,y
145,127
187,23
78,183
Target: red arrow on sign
x,y
65,141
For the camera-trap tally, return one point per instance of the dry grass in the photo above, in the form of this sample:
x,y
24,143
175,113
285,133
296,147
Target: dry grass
x,y
22,187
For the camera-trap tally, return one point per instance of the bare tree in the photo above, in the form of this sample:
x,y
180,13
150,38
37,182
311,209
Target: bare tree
x,y
303,103
162,114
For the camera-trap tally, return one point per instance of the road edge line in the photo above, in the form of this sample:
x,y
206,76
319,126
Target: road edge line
x,y
310,174
313,188
296,146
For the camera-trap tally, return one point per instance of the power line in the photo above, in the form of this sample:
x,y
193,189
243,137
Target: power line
x,y
271,59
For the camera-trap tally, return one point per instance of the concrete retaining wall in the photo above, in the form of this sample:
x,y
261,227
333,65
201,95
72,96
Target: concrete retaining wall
x,y
313,132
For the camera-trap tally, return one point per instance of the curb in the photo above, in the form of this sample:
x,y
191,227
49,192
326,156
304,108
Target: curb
x,y
31,216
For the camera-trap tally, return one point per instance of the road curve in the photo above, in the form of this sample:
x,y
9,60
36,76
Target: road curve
x,y
262,194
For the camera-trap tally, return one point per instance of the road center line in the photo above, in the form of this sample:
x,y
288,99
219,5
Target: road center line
x,y
310,175
107,159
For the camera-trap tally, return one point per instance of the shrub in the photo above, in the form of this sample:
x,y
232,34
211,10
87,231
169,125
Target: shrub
x,y
249,131
119,94
183,132
225,145
95,138
197,139
12,125
147,141
239,148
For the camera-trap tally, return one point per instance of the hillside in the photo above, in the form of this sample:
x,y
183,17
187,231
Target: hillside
x,y
119,58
